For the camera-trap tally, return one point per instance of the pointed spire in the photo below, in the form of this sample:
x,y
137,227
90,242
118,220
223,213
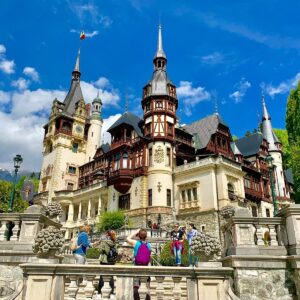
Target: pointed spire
x,y
77,64
267,129
160,52
216,104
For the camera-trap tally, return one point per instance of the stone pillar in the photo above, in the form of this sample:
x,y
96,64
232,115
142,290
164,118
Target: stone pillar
x,y
99,205
71,213
15,231
79,211
89,209
2,231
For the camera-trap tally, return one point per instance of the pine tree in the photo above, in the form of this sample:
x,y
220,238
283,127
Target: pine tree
x,y
293,129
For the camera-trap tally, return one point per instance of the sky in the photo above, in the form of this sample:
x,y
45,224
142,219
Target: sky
x,y
219,52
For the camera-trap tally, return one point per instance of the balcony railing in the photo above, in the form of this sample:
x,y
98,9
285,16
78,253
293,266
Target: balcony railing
x,y
189,204
166,282
64,131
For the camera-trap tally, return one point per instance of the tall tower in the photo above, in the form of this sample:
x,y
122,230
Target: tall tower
x,y
64,144
159,104
274,150
94,132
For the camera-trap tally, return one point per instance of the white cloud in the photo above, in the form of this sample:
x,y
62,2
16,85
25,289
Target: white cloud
x,y
213,58
89,13
21,83
22,125
241,89
191,96
106,137
87,34
7,66
2,49
31,73
282,88
102,82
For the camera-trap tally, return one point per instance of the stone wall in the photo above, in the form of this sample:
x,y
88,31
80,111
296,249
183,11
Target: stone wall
x,y
253,284
209,220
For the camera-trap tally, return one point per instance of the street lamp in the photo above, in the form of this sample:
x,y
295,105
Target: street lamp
x,y
269,160
17,163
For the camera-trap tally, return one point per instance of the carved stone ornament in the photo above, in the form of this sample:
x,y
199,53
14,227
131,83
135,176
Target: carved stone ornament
x,y
159,155
53,210
48,242
11,282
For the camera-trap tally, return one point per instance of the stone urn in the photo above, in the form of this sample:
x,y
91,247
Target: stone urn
x,y
53,210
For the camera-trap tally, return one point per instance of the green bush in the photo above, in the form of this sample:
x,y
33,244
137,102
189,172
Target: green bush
x,y
93,253
168,259
111,220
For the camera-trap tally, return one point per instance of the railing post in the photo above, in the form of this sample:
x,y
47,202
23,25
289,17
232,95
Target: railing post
x,y
15,231
273,235
106,289
259,235
177,289
89,288
2,231
143,290
72,288
160,287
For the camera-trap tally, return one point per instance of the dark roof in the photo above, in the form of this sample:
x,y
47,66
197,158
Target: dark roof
x,y
249,145
289,176
73,96
203,129
129,119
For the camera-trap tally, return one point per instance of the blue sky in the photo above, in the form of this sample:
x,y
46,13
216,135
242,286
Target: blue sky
x,y
232,49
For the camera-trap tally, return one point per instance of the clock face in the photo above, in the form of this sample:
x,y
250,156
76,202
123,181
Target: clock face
x,y
78,129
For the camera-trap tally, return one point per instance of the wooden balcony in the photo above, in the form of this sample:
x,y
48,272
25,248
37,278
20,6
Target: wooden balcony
x,y
121,179
63,131
253,194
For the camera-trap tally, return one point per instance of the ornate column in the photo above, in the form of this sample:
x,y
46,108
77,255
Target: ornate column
x,y
79,211
99,205
89,209
71,213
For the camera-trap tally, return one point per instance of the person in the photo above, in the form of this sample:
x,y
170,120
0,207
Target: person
x,y
83,244
142,255
192,232
177,246
107,248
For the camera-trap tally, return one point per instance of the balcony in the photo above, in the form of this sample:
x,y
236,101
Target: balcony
x,y
121,179
127,141
63,131
189,204
253,193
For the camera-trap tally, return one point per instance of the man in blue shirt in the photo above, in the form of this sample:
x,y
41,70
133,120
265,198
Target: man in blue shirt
x,y
82,244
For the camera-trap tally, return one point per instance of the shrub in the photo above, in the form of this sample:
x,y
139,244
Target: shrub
x,y
168,259
111,220
93,253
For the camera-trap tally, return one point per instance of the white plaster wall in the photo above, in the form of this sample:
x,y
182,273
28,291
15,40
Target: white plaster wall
x,y
279,184
94,139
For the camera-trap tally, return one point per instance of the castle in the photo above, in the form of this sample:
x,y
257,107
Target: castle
x,y
155,169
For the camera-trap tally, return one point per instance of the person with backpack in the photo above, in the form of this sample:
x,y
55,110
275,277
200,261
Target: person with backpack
x,y
82,244
141,253
108,256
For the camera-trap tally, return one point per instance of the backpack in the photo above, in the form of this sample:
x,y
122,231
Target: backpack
x,y
143,254
73,244
112,255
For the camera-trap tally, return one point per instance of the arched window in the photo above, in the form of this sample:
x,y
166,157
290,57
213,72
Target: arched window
x,y
230,188
117,162
125,160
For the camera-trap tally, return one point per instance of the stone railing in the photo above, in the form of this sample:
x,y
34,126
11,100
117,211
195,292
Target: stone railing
x,y
189,204
63,282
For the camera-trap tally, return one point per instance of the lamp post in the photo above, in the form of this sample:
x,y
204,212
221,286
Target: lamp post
x,y
269,160
17,163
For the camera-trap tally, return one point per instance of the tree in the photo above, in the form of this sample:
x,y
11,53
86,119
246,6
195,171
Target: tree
x,y
111,220
282,135
5,190
248,133
293,129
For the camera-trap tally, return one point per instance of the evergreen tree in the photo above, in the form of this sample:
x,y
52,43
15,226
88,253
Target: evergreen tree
x,y
293,129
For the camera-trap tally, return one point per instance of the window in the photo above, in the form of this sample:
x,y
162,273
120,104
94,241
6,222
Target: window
x,y
72,170
169,200
75,147
44,186
195,196
125,160
147,108
150,157
254,211
247,182
150,197
158,105
183,196
170,105
230,188
168,157
268,213
124,202
189,193
117,162
70,186
170,128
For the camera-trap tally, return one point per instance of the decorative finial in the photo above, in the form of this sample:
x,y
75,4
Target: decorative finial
x,y
77,64
160,52
97,94
126,102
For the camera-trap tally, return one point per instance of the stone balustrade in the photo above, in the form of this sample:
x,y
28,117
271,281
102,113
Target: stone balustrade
x,y
63,282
